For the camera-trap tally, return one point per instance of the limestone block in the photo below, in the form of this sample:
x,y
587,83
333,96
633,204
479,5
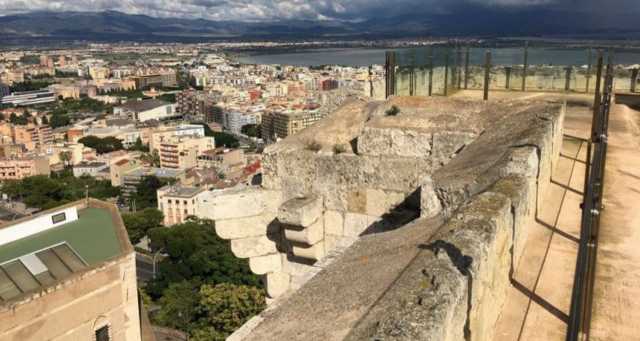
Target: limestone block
x,y
295,268
300,211
277,283
309,235
314,252
355,224
447,143
266,264
392,141
333,242
238,203
523,161
253,247
430,205
379,202
298,281
333,223
240,228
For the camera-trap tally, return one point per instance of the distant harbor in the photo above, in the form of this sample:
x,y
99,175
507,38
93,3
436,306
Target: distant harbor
x,y
365,57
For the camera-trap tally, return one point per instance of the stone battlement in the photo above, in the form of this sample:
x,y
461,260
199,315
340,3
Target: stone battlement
x,y
384,225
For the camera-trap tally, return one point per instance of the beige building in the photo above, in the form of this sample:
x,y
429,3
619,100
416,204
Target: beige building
x,y
222,159
279,125
16,169
177,203
32,136
68,274
182,152
120,168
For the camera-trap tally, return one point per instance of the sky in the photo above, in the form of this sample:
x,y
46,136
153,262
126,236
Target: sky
x,y
273,10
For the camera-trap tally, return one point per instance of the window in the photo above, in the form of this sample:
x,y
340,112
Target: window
x,y
102,334
58,218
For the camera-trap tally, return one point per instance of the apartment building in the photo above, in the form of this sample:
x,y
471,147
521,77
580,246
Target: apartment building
x,y
166,133
182,152
20,168
177,203
32,136
68,273
146,110
279,125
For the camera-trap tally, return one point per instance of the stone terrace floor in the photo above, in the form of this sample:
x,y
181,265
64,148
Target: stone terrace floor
x,y
539,301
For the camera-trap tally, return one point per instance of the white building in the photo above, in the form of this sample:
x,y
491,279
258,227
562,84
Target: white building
x,y
234,121
146,110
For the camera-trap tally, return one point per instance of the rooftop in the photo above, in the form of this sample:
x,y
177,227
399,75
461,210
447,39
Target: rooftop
x,y
143,105
33,256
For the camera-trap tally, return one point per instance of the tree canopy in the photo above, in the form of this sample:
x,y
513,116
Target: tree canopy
x,y
252,130
102,145
139,223
146,192
44,192
195,253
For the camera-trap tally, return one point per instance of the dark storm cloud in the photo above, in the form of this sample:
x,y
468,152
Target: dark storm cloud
x,y
267,10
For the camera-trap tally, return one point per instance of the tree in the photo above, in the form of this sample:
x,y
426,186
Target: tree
x,y
45,120
195,253
146,192
224,308
139,223
18,120
59,120
252,130
139,146
102,145
179,305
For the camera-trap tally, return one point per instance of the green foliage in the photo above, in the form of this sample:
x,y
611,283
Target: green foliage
x,y
222,139
59,120
29,86
252,130
171,98
179,304
45,120
19,120
195,253
129,94
102,145
393,111
84,104
152,158
139,223
44,192
146,192
223,308
139,146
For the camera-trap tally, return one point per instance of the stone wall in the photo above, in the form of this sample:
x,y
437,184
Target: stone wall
x,y
357,172
441,277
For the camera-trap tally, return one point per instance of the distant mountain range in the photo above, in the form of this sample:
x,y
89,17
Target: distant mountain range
x,y
469,21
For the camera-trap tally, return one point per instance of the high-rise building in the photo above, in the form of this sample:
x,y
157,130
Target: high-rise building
x,y
279,125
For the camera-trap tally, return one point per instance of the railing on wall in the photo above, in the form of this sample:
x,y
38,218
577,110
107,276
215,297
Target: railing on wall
x,y
582,294
441,70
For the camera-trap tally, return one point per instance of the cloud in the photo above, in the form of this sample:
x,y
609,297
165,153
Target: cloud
x,y
269,10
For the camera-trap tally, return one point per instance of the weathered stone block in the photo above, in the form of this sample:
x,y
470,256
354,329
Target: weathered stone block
x,y
430,205
314,252
277,283
309,235
333,242
238,203
447,143
333,223
302,211
245,227
355,224
253,247
395,142
379,202
266,264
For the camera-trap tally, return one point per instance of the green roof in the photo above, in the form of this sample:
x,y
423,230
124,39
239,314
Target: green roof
x,y
92,236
